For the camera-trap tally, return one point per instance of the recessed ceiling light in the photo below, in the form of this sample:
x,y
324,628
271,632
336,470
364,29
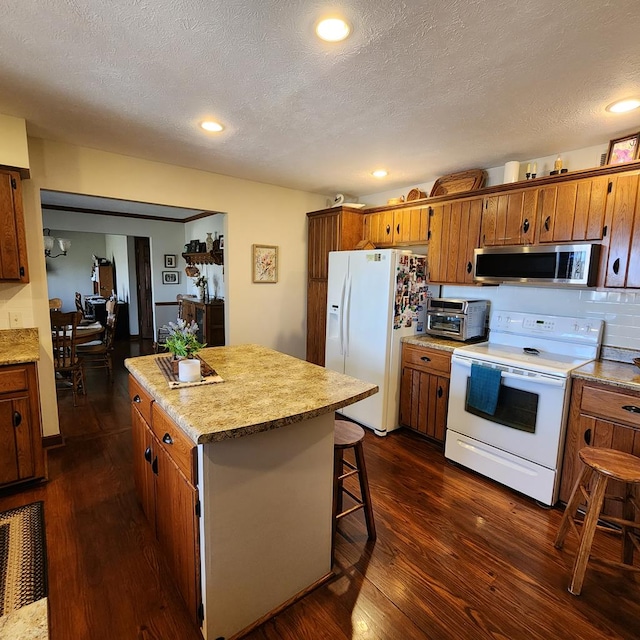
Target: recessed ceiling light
x,y
622,106
210,125
380,173
333,29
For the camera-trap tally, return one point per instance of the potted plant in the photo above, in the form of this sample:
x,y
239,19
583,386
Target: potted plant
x,y
183,344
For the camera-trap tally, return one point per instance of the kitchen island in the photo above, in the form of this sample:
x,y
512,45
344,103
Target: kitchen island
x,y
236,478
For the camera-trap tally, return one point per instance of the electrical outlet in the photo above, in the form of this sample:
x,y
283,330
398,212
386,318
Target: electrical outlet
x,y
15,319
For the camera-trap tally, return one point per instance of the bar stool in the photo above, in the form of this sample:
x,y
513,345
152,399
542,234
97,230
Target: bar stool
x,y
602,465
348,435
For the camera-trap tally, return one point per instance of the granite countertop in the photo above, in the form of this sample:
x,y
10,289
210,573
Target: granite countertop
x,y
435,342
617,374
262,390
19,345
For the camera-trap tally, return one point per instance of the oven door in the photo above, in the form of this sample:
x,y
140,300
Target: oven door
x,y
529,419
451,325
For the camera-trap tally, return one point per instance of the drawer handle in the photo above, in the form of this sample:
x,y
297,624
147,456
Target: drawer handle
x,y
616,266
17,418
631,408
587,436
425,359
136,399
167,439
154,465
147,454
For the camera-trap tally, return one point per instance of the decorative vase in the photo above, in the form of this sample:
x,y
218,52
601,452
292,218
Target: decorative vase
x,y
189,370
209,242
174,363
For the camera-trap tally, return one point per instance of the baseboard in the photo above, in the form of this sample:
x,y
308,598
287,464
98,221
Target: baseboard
x,y
52,442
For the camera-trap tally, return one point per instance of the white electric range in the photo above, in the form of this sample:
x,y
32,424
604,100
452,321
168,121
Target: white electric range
x,y
520,443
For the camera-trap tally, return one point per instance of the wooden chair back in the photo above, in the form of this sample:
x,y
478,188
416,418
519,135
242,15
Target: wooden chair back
x,y
55,304
63,334
110,328
79,306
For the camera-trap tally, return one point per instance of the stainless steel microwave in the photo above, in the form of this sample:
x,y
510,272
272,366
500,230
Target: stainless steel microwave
x,y
561,264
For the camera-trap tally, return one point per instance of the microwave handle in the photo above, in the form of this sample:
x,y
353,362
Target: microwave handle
x,y
514,376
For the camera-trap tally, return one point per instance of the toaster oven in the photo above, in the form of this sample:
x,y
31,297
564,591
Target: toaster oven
x,y
457,318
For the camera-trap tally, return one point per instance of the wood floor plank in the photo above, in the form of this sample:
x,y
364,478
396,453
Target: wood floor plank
x,y
457,555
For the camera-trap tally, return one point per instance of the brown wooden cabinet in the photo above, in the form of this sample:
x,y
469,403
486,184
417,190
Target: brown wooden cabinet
x,y
21,454
165,474
335,229
13,245
397,227
103,281
601,415
509,219
424,390
454,229
209,317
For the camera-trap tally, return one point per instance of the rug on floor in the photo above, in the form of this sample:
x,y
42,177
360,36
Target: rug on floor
x,y
23,558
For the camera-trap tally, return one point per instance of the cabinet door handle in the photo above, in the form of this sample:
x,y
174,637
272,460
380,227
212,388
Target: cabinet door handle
x,y
388,229
547,223
136,399
425,359
525,225
398,228
631,408
616,266
154,465
469,267
17,418
167,439
587,436
440,392
147,454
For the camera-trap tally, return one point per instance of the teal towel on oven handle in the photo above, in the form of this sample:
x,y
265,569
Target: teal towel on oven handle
x,y
484,387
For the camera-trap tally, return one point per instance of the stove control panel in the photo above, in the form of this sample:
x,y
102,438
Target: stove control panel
x,y
563,328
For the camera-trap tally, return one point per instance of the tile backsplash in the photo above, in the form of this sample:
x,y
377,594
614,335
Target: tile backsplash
x,y
620,310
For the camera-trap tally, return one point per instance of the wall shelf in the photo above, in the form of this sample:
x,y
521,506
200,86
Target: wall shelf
x,y
207,257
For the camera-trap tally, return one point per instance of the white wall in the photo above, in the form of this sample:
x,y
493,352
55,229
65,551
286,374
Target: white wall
x,y
117,253
273,315
14,151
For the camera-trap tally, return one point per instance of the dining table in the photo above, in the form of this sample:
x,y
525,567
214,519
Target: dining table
x,y
88,333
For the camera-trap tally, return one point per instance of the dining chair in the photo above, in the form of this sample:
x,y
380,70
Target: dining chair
x,y
55,304
98,353
68,367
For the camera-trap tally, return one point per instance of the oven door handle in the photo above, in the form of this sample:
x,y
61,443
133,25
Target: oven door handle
x,y
541,380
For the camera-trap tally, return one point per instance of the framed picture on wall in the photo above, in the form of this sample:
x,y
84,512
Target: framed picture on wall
x,y
624,149
169,261
170,277
265,263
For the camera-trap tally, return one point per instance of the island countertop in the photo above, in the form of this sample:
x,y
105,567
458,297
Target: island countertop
x,y
19,345
263,389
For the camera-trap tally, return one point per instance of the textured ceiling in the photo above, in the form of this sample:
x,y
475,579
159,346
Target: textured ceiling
x,y
421,88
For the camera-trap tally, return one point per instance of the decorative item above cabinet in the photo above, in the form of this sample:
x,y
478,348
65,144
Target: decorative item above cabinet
x,y
206,257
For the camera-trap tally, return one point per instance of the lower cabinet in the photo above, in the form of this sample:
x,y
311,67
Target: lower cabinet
x,y
165,474
209,317
601,415
424,390
21,454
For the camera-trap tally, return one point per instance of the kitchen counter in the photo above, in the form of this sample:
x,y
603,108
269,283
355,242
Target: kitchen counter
x,y
262,390
435,342
617,374
19,345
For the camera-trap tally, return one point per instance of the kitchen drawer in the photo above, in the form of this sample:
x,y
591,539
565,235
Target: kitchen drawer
x,y
140,398
431,360
179,448
13,378
610,405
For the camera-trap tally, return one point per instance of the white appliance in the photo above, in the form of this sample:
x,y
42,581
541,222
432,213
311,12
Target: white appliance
x,y
521,442
374,299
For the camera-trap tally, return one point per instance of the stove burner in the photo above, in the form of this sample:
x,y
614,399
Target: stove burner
x,y
531,351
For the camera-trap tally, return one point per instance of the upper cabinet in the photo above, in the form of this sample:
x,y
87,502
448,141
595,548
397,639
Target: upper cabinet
x,y
573,211
509,218
397,227
13,246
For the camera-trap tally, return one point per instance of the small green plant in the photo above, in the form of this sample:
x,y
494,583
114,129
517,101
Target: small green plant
x,y
182,339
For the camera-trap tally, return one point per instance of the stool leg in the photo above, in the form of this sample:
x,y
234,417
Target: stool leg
x,y
572,506
337,495
589,528
628,513
364,491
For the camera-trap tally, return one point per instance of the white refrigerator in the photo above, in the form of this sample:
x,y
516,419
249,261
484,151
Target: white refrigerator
x,y
374,299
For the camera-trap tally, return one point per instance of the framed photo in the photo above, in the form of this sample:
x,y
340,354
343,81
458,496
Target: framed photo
x,y
170,277
169,261
624,149
265,263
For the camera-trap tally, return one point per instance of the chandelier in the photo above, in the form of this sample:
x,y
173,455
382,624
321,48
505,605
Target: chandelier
x,y
49,242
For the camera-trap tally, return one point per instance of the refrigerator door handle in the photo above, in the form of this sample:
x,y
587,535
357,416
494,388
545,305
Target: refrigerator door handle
x,y
341,321
346,314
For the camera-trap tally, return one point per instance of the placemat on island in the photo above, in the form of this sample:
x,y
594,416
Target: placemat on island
x,y
208,375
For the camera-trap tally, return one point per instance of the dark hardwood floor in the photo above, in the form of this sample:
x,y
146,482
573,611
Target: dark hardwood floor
x,y
457,556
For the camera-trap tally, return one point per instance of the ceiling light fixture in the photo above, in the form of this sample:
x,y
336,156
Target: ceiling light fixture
x,y
622,106
210,125
380,173
333,29
49,242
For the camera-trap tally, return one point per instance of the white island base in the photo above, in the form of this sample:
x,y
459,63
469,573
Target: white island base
x,y
265,526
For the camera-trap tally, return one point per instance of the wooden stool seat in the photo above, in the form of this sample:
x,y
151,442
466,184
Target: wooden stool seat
x,y
348,435
601,465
